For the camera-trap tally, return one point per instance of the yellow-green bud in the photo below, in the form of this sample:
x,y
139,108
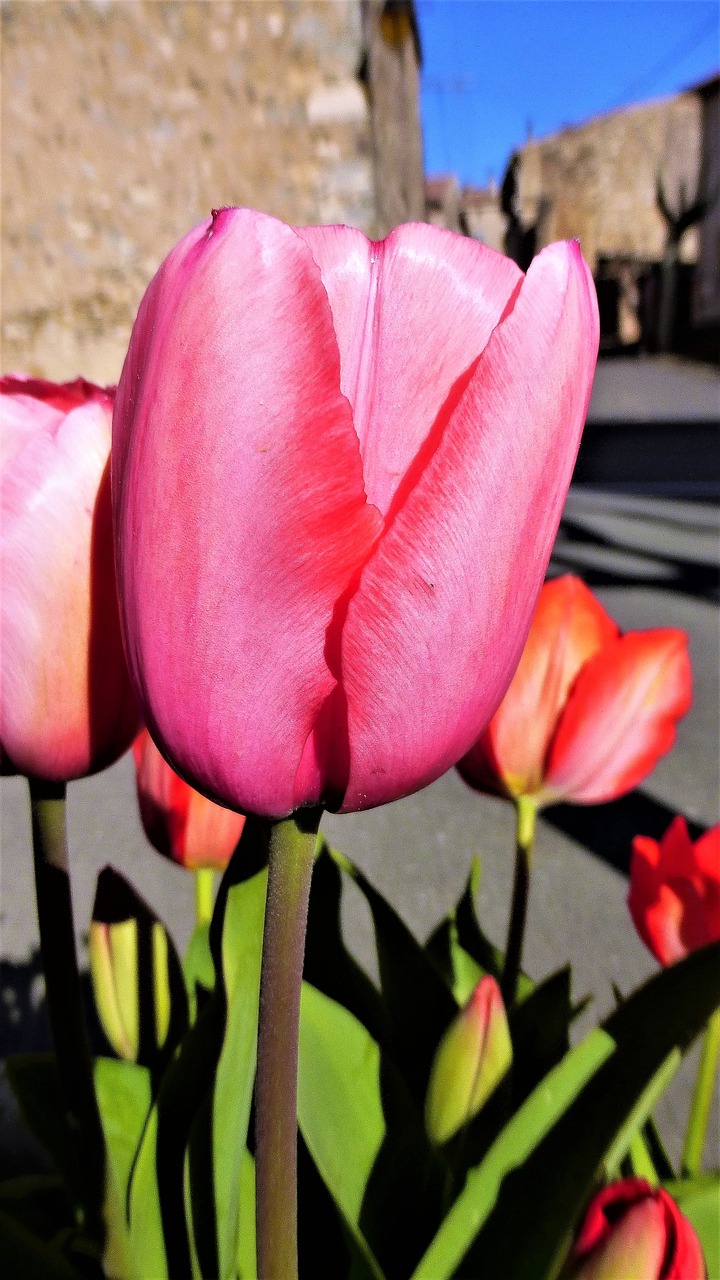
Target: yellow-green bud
x,y
470,1061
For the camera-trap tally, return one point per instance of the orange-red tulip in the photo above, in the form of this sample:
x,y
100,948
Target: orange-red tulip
x,y
179,822
674,896
589,711
633,1231
66,706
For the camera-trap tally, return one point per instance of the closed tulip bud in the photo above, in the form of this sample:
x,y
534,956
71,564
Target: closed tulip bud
x,y
674,896
589,711
471,1060
66,705
136,975
179,822
633,1231
338,470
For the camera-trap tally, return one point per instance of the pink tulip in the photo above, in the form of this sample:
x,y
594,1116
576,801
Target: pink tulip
x,y
674,896
66,703
634,1232
589,712
338,469
179,822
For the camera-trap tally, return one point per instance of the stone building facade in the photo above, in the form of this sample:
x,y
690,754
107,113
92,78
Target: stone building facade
x,y
598,181
126,121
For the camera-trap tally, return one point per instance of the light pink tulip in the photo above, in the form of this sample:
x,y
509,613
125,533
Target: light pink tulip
x,y
338,470
66,704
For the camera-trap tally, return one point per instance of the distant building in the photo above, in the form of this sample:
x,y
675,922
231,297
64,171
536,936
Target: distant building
x,y
706,293
125,123
640,189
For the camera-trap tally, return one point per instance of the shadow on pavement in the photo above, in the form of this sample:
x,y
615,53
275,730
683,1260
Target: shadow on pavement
x,y
607,830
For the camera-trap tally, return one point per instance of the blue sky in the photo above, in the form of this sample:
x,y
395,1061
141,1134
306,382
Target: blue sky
x,y
492,69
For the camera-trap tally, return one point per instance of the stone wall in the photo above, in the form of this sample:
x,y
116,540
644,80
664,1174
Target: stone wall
x,y
597,181
126,121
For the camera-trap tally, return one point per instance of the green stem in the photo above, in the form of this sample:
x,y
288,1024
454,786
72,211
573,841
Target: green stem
x,y
204,895
292,850
702,1098
526,814
63,996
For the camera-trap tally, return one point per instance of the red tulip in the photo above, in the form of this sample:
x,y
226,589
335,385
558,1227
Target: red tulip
x,y
338,469
674,896
179,822
588,712
66,706
634,1232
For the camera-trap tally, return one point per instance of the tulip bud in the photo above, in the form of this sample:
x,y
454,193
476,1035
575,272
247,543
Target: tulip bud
x,y
471,1060
136,974
634,1230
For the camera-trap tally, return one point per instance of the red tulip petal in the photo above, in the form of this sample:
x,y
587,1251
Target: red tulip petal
x,y
620,717
674,896
569,627
241,518
211,835
707,853
412,313
436,627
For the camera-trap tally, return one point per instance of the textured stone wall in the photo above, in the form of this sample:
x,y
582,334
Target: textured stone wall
x,y
597,181
125,122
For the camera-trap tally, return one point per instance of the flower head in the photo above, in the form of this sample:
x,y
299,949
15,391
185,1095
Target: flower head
x,y
674,896
338,470
179,822
66,704
634,1232
589,711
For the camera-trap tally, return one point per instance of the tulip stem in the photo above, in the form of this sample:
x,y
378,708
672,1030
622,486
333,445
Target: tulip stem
x,y
292,851
526,813
702,1098
63,995
204,895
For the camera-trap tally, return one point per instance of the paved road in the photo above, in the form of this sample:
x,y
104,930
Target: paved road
x,y
653,563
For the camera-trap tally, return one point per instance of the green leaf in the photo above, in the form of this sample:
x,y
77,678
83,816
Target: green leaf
x,y
699,1200
241,962
551,1152
540,1031
124,1095
35,1083
247,1252
136,973
25,1257
633,1125
198,967
147,1242
418,1001
329,965
514,1144
339,1104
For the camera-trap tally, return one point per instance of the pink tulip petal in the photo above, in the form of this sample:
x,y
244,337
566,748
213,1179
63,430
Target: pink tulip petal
x,y
66,707
442,611
241,518
569,627
412,314
620,717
